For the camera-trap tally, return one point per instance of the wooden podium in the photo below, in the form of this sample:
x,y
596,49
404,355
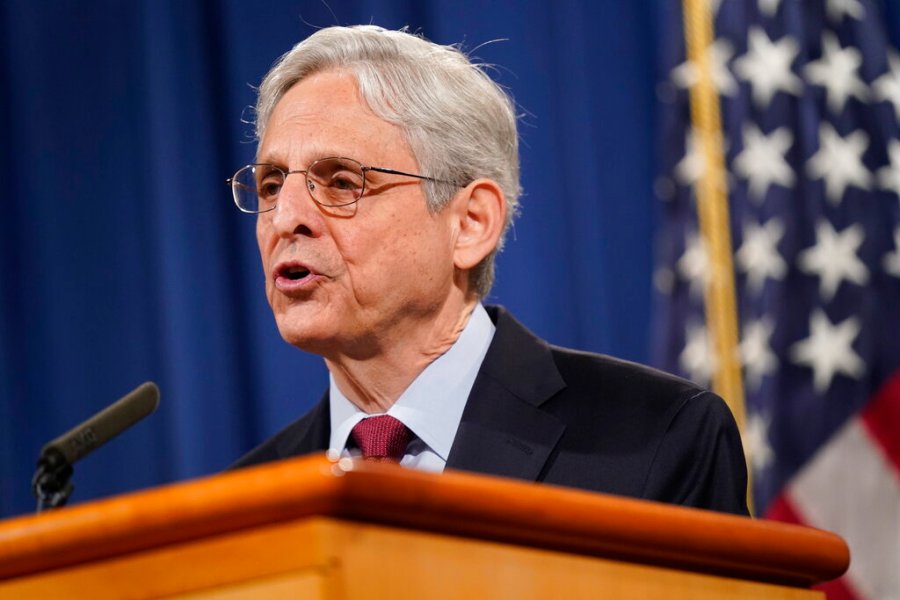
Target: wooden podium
x,y
312,528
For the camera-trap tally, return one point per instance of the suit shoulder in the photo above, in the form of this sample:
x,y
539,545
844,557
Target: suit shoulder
x,y
307,434
604,389
599,372
664,438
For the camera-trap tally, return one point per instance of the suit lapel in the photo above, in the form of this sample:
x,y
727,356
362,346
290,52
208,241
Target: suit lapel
x,y
310,434
503,430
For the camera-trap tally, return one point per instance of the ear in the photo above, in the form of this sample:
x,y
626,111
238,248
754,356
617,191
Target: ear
x,y
481,213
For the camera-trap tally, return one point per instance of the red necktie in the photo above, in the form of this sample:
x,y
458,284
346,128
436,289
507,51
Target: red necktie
x,y
382,438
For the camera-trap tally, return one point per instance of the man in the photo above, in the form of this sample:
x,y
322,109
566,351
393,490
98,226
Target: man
x,y
385,179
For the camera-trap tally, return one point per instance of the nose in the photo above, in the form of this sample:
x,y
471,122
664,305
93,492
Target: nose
x,y
295,213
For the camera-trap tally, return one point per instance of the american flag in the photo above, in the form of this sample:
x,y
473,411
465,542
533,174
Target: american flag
x,y
809,96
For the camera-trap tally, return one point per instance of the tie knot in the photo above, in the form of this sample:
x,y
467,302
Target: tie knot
x,y
382,438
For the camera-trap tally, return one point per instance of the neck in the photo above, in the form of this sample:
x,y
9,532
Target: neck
x,y
375,383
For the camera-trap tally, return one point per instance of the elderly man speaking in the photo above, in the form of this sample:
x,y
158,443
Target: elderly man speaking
x,y
386,176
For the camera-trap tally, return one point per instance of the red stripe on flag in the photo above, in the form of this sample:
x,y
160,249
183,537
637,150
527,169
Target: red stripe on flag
x,y
881,418
839,589
782,509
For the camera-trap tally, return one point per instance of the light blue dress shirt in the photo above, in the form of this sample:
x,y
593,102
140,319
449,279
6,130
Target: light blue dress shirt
x,y
431,407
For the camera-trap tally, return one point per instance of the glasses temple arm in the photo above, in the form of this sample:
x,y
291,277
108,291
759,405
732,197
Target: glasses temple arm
x,y
395,172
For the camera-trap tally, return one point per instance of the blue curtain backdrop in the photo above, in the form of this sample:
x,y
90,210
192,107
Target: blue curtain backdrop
x,y
122,258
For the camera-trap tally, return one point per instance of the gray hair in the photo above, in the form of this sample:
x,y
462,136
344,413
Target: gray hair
x,y
458,122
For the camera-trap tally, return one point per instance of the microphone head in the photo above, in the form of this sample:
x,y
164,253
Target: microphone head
x,y
103,426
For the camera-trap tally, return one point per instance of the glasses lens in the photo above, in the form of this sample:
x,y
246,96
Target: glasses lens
x,y
256,188
336,181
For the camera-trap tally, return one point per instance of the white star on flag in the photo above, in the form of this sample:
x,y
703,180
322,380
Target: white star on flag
x,y
828,350
836,72
767,66
686,75
769,7
664,280
756,352
839,162
692,166
697,358
891,260
758,255
887,87
838,8
762,160
756,442
833,258
694,264
889,176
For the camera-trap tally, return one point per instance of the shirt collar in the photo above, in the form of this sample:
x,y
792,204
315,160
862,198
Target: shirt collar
x,y
433,404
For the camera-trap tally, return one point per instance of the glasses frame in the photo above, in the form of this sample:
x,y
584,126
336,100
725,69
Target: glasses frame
x,y
233,182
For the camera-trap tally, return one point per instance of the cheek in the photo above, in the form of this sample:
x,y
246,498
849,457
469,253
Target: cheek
x,y
376,261
418,257
263,235
261,239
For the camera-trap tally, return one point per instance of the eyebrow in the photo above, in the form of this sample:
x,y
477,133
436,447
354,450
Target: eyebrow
x,y
271,158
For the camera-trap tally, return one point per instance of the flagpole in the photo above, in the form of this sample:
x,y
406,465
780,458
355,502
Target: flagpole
x,y
712,211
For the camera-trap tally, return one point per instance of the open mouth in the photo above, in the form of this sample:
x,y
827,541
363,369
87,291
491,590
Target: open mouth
x,y
295,273
289,274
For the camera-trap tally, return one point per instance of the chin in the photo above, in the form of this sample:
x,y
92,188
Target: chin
x,y
316,336
304,338
300,330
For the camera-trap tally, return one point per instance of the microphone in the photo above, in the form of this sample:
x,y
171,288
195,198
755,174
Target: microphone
x,y
50,483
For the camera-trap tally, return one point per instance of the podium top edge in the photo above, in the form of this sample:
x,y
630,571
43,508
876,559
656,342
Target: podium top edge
x,y
457,503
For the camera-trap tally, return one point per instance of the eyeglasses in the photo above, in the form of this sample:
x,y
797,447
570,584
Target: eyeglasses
x,y
331,182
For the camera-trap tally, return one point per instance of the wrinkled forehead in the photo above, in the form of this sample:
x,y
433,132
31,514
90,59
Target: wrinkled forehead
x,y
325,114
346,75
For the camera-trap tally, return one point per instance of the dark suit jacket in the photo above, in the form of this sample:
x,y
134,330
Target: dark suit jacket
x,y
543,413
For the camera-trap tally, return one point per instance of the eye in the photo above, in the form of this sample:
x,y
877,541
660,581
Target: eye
x,y
346,181
269,184
335,181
